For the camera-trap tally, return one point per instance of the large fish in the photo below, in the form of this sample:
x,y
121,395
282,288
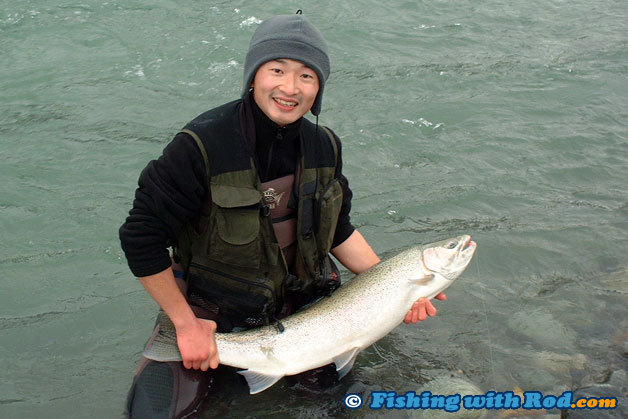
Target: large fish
x,y
336,328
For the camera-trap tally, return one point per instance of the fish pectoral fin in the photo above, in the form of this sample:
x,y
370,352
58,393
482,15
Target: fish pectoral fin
x,y
258,381
423,280
344,361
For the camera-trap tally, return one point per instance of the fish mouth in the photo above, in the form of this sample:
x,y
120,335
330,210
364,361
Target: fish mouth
x,y
466,247
449,258
466,244
464,253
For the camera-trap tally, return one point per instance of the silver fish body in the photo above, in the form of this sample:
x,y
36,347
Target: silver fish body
x,y
336,328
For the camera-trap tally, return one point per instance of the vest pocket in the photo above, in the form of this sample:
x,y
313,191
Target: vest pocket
x,y
241,302
235,239
328,208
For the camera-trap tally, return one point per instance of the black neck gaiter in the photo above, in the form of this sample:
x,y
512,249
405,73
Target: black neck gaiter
x,y
275,149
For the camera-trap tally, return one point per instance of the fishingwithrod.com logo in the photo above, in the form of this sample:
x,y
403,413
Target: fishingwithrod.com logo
x,y
531,400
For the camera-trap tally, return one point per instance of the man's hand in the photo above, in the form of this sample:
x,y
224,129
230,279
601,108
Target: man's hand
x,y
195,337
421,309
197,344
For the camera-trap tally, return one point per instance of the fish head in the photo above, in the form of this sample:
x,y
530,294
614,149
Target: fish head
x,y
449,258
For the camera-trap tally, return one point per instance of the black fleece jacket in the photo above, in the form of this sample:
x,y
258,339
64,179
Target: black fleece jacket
x,y
172,189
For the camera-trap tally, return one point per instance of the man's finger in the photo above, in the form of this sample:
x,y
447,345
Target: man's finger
x,y
429,308
422,312
414,316
214,361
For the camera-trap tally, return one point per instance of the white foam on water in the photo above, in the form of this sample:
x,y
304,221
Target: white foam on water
x,y
137,70
250,21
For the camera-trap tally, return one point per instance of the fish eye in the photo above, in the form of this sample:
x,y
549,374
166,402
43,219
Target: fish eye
x,y
451,245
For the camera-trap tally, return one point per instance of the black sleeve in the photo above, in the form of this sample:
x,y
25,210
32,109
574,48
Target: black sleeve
x,y
344,228
170,193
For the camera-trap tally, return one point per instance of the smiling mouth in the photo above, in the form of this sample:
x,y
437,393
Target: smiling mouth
x,y
285,103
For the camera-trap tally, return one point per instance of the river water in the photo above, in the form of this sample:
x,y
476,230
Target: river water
x,y
504,120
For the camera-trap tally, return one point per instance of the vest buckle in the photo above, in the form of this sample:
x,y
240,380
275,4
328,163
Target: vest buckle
x,y
292,282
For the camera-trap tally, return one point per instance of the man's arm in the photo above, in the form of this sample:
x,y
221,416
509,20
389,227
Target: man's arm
x,y
170,192
355,253
357,256
195,337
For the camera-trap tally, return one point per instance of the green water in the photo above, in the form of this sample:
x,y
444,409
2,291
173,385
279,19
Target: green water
x,y
504,120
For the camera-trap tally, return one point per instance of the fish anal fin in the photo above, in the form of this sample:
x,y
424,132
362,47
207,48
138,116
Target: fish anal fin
x,y
344,362
258,381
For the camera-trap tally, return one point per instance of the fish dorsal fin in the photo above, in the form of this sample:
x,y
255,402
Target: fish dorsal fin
x,y
344,361
258,381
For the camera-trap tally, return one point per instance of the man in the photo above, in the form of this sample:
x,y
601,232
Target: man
x,y
252,197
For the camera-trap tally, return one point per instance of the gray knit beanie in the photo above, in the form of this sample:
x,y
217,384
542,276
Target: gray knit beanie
x,y
292,37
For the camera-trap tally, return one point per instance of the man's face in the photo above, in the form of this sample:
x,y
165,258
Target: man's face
x,y
285,90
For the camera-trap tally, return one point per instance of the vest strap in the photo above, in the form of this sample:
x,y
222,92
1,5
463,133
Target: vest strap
x,y
201,147
334,144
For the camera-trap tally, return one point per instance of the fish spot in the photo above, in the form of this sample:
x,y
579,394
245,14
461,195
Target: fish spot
x,y
268,350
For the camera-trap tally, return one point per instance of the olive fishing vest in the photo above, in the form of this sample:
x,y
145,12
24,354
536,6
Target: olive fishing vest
x,y
230,253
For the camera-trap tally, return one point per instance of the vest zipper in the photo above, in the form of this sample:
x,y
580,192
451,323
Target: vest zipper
x,y
270,159
235,278
278,137
230,297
